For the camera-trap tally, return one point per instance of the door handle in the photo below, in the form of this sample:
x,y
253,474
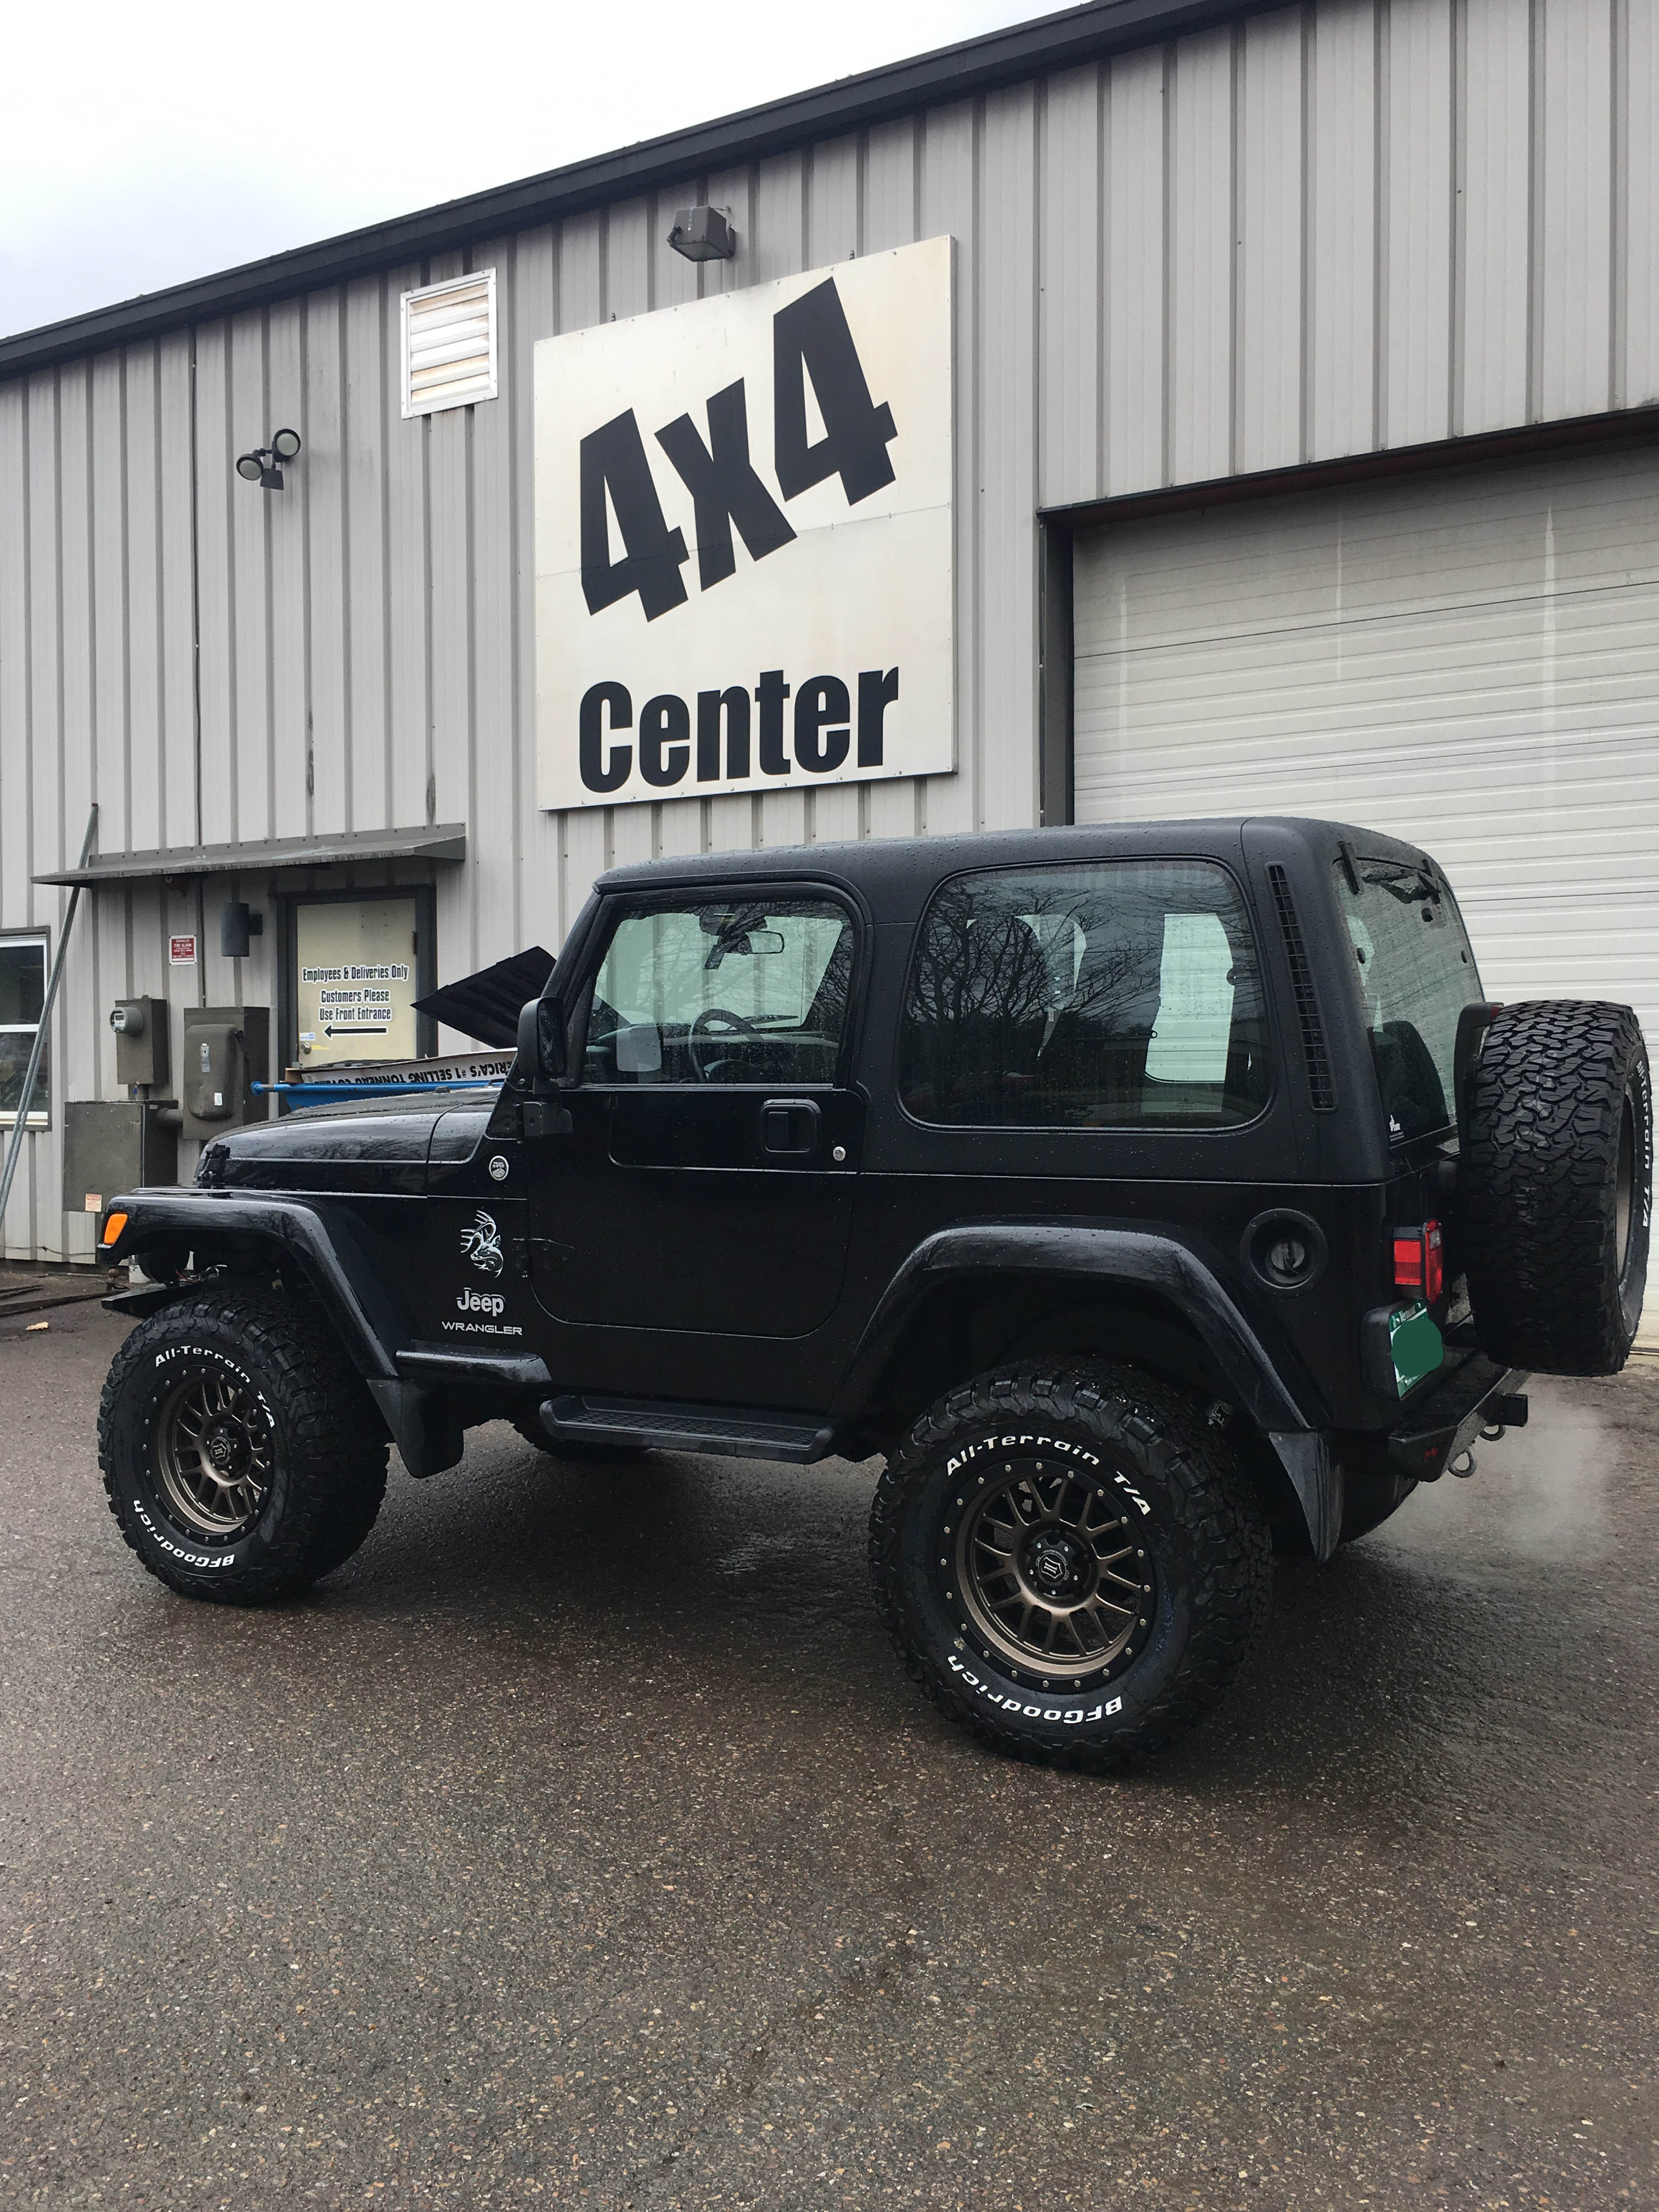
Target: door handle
x,y
790,1128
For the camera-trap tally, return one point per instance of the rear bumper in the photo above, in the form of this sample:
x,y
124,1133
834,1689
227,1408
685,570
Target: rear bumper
x,y
1449,1418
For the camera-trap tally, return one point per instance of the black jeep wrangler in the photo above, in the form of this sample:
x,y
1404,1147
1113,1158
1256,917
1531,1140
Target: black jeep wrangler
x,y
1145,1196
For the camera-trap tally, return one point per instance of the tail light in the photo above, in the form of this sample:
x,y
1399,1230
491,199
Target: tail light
x,y
1419,1262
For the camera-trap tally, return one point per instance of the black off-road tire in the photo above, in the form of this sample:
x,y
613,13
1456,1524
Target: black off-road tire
x,y
318,1434
578,1454
1555,1187
1203,1553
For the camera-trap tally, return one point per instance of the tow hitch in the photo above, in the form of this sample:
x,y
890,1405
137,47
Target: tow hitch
x,y
1501,1411
1478,1401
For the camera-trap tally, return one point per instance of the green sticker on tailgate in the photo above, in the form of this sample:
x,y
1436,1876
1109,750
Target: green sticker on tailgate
x,y
1416,1344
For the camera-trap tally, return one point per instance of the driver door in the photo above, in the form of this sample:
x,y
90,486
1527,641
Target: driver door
x,y
706,1180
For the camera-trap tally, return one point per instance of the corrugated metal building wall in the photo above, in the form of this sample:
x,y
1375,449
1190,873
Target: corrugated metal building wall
x,y
1321,230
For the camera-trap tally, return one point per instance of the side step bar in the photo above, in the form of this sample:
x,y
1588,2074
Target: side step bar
x,y
730,1432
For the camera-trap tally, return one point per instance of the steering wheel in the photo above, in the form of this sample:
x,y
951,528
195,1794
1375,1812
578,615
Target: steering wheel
x,y
733,1025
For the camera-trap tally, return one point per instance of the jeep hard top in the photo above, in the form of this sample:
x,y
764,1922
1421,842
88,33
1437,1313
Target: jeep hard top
x,y
1144,1196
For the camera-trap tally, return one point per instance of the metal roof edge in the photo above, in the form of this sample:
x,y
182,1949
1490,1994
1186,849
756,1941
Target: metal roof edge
x,y
444,841
1068,39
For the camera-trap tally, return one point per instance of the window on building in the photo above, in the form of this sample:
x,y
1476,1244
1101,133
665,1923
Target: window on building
x,y
449,345
22,995
723,991
1123,994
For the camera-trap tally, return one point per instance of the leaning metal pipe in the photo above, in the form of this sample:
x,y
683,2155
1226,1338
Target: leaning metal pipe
x,y
20,1127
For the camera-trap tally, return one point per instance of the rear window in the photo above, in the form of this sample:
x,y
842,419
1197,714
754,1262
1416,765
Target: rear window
x,y
1120,995
1417,973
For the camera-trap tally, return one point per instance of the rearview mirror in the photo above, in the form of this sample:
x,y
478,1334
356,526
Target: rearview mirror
x,y
541,1037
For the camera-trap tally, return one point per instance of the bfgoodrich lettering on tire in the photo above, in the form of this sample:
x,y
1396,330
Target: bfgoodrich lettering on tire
x,y
1555,1187
1070,1561
241,1455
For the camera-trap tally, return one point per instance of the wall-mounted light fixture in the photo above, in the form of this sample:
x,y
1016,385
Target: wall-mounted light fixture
x,y
703,234
237,925
263,465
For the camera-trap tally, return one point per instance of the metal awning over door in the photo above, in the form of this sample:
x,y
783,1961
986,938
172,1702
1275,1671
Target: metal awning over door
x,y
1467,658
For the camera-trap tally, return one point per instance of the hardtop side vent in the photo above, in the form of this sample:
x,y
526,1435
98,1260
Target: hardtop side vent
x,y
1322,1083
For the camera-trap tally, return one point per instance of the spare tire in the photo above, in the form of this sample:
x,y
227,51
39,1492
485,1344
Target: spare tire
x,y
1555,1186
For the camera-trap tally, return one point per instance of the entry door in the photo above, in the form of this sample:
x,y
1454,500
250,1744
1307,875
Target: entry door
x,y
358,979
705,1182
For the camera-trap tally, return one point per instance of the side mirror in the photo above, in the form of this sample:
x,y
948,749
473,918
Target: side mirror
x,y
541,1037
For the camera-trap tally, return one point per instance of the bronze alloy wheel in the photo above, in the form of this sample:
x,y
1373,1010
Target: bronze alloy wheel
x,y
212,1454
1049,1570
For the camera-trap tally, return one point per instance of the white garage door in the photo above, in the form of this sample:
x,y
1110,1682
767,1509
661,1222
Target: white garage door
x,y
1468,660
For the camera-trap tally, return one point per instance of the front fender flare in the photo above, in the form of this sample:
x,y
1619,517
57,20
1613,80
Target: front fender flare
x,y
1136,1258
317,1238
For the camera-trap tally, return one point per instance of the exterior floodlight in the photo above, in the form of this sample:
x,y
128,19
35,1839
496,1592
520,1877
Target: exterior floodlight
x,y
263,465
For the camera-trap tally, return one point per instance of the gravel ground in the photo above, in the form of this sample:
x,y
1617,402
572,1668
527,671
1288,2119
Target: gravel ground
x,y
582,1842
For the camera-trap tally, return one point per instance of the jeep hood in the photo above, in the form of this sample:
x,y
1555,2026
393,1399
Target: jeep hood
x,y
374,1144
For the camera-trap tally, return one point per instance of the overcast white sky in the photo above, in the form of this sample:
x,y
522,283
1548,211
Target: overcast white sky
x,y
143,145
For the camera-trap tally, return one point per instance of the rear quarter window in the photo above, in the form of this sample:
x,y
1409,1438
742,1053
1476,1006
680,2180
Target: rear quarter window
x,y
1417,973
1124,994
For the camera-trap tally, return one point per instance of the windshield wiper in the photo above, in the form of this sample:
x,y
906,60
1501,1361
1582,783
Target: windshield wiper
x,y
1406,884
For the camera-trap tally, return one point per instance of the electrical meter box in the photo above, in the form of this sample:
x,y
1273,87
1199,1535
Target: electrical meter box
x,y
225,1051
141,1041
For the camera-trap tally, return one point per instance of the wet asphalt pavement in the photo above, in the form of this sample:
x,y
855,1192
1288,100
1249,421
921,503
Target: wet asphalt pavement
x,y
582,1842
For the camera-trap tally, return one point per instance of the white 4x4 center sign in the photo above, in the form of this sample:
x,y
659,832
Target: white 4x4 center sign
x,y
744,539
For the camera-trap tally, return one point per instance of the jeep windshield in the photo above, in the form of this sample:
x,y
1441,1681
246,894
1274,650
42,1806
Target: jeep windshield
x,y
1417,973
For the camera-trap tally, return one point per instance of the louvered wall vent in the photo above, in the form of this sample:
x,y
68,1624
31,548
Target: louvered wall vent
x,y
449,345
1321,1083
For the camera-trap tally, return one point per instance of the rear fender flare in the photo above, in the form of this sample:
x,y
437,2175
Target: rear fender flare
x,y
1134,1258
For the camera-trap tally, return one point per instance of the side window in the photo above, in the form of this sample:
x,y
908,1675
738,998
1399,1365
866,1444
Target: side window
x,y
1124,994
722,992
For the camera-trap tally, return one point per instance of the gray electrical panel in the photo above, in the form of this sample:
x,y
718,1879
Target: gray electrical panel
x,y
224,1052
111,1145
141,1041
